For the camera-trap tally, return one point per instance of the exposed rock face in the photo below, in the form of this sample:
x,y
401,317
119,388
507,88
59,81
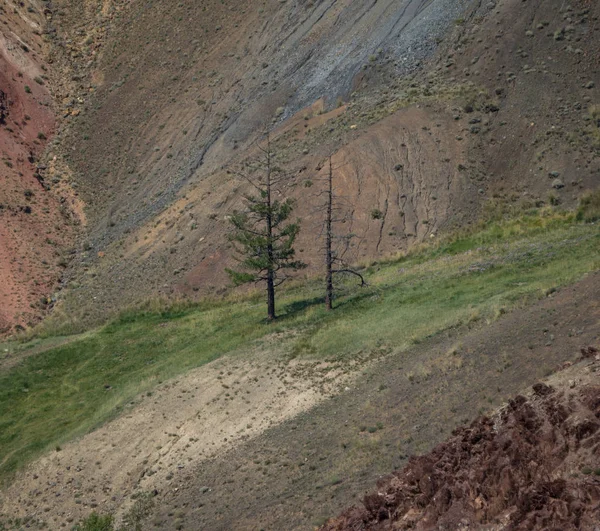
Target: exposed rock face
x,y
535,466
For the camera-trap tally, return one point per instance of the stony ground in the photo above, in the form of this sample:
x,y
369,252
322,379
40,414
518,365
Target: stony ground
x,y
37,217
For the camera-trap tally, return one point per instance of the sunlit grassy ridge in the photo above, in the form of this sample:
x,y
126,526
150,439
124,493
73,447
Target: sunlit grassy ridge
x,y
70,389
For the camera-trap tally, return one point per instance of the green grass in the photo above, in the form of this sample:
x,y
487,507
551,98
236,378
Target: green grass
x,y
589,208
73,387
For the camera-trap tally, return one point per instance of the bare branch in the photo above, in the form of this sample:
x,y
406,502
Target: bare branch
x,y
363,282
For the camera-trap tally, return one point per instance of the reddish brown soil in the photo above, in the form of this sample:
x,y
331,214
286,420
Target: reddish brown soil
x,y
536,465
35,221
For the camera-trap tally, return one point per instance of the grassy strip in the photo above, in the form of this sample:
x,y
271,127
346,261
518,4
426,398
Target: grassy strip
x,y
72,388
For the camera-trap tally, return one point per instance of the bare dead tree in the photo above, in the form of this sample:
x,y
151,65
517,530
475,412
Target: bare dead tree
x,y
334,264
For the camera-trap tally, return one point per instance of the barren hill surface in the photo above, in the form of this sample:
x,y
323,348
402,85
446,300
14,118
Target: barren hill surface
x,y
37,223
533,465
437,113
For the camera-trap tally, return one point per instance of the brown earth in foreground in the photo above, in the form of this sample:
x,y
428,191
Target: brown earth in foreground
x,y
534,465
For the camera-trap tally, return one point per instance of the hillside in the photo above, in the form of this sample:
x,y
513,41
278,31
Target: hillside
x,y
140,390
38,215
530,466
432,110
205,416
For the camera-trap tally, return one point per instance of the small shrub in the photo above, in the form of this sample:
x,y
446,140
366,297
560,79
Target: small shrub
x,y
41,136
95,522
594,111
589,208
28,89
132,521
553,199
376,214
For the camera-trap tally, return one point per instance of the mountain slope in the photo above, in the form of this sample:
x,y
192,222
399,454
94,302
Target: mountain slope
x,y
241,442
432,110
195,98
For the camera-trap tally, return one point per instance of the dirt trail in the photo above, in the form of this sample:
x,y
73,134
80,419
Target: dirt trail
x,y
13,354
157,441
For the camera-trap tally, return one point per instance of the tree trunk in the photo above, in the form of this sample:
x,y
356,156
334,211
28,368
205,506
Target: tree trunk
x,y
271,266
328,244
270,296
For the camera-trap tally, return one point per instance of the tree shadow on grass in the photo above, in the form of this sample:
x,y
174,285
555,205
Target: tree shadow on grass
x,y
290,310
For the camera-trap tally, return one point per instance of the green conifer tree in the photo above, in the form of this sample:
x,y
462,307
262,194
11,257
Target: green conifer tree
x,y
262,234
